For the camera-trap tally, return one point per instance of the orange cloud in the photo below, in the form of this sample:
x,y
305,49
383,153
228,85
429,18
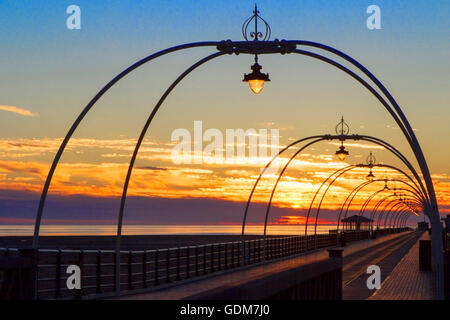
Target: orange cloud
x,y
23,112
24,164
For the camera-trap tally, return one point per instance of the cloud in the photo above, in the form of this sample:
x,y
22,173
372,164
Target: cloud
x,y
152,168
23,112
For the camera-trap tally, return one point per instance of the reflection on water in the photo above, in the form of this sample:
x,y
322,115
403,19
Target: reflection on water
x,y
79,230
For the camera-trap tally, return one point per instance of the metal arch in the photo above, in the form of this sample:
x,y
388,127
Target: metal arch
x,y
355,137
347,168
145,128
406,219
397,169
318,209
384,210
403,189
353,193
398,116
244,219
396,203
395,214
326,137
283,47
331,137
279,178
417,150
185,46
382,200
362,213
400,216
375,209
412,193
375,165
367,201
399,206
364,83
422,190
403,124
403,220
359,188
323,196
86,110
399,223
136,151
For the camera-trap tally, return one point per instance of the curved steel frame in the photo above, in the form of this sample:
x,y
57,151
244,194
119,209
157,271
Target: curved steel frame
x,y
282,47
361,186
353,193
341,173
366,203
384,208
318,139
381,201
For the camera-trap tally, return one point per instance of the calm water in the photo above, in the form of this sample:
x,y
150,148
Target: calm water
x,y
78,230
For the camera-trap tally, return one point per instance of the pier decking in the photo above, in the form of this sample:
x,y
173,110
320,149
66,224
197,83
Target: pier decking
x,y
406,282
350,257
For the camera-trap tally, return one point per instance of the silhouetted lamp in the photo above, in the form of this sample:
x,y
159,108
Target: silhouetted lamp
x,y
370,176
256,79
371,160
342,129
342,153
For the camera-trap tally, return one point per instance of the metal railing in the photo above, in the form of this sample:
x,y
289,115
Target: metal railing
x,y
143,269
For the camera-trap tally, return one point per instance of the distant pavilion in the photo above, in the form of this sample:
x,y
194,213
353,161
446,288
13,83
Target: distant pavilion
x,y
357,223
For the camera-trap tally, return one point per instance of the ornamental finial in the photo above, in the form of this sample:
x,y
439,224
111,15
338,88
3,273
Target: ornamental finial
x,y
256,35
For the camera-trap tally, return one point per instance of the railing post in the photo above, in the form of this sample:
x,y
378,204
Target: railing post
x,y
58,275
196,261
243,253
178,264
117,272
280,244
204,259
130,270
212,258
226,255
98,288
168,265
187,263
144,269
219,257
232,255
79,292
336,254
29,275
259,250
265,254
157,267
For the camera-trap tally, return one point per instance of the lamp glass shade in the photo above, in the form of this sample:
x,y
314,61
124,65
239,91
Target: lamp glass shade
x,y
341,156
256,85
342,153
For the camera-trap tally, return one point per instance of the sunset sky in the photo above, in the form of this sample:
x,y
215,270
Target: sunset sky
x,y
49,73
